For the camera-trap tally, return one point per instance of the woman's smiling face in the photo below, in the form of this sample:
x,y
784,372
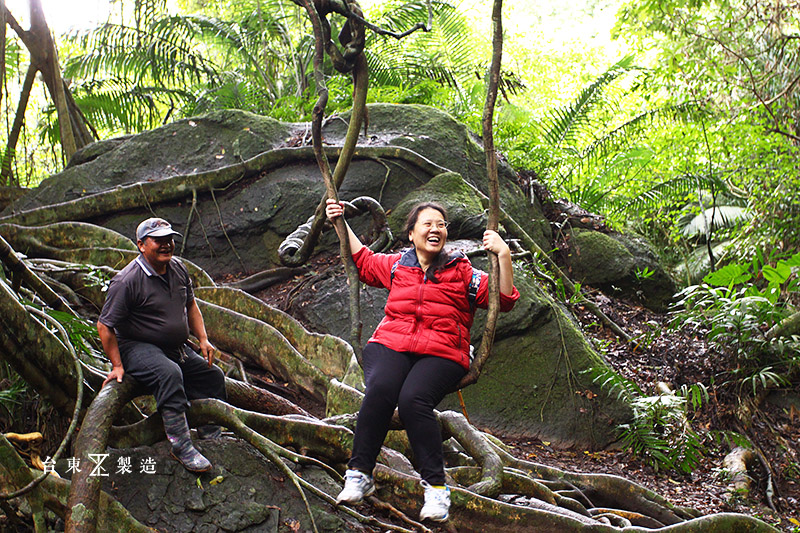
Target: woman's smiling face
x,y
429,233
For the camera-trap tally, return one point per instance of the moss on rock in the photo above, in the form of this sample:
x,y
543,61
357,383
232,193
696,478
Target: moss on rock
x,y
623,264
464,208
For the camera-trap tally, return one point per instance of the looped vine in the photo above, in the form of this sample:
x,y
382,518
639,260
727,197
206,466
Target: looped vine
x,y
352,36
379,234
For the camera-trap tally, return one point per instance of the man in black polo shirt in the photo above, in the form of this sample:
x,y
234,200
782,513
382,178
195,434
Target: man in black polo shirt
x,y
145,323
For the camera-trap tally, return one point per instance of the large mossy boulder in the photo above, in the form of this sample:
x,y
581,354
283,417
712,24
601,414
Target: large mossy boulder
x,y
238,228
619,264
540,354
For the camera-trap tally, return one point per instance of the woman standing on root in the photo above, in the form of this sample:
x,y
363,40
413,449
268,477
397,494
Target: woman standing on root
x,y
421,349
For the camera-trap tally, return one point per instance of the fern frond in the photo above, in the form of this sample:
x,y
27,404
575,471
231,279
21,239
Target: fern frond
x,y
620,137
564,124
671,188
613,383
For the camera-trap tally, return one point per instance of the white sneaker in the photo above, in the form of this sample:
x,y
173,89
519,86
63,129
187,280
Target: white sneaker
x,y
437,503
357,486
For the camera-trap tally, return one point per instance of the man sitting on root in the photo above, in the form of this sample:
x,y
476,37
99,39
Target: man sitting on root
x,y
144,325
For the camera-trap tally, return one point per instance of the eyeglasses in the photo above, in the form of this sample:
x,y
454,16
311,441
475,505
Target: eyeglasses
x,y
439,224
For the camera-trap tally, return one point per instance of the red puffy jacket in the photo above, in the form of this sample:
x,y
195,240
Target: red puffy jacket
x,y
423,316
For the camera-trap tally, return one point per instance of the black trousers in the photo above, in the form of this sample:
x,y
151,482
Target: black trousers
x,y
415,384
173,376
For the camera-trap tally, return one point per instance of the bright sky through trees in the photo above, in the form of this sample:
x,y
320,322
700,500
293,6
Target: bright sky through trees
x,y
63,15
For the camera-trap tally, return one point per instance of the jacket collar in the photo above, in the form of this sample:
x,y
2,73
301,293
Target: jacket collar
x,y
409,258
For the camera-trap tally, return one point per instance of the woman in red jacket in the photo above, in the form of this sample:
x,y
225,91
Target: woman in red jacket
x,y
421,349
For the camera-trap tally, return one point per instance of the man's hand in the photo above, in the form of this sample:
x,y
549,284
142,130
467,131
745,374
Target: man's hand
x,y
117,373
207,350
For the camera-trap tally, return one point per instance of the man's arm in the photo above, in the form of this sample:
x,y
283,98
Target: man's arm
x,y
198,328
110,346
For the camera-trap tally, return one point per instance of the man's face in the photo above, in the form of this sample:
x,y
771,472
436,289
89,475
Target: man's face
x,y
157,250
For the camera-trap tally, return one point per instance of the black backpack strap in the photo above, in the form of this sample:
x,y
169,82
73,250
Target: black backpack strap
x,y
474,283
391,275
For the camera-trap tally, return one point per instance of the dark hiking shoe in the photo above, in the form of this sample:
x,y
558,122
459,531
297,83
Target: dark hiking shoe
x,y
209,431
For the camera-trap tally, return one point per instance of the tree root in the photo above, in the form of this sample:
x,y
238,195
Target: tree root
x,y
21,272
17,474
379,236
261,345
327,352
479,449
53,493
84,494
785,328
554,500
39,357
65,235
737,463
265,279
106,247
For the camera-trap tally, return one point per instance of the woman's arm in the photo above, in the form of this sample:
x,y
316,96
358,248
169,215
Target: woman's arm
x,y
494,243
333,210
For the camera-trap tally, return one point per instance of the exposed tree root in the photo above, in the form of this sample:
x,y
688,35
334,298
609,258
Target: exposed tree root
x,y
37,355
261,345
327,352
21,272
738,463
265,279
84,494
102,247
554,500
785,328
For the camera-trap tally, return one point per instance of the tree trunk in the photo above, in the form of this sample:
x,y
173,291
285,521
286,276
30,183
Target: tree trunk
x,y
16,129
44,55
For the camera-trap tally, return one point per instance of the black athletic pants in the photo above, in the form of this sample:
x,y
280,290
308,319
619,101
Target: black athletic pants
x,y
415,384
173,376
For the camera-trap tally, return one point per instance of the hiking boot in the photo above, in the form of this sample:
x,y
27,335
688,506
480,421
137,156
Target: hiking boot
x,y
437,503
183,450
191,459
357,486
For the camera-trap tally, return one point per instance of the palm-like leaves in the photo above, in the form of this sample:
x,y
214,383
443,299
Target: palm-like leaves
x,y
568,124
448,54
188,64
445,54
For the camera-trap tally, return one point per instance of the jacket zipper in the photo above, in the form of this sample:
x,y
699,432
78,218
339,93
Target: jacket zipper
x,y
417,315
